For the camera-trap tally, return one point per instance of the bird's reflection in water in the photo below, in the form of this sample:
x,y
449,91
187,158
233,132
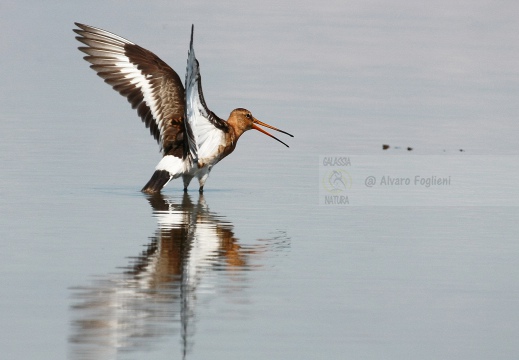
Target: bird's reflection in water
x,y
155,296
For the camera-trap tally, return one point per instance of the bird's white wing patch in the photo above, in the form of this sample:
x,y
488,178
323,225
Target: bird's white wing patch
x,y
202,126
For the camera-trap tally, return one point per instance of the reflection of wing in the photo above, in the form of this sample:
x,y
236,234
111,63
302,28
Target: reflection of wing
x,y
205,130
149,84
124,311
204,235
160,287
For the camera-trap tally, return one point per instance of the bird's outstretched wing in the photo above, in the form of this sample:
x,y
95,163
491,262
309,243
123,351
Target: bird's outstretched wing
x,y
205,130
149,84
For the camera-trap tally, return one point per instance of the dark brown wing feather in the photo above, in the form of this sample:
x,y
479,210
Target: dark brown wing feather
x,y
152,87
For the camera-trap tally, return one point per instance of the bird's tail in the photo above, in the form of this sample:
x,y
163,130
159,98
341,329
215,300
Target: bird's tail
x,y
158,180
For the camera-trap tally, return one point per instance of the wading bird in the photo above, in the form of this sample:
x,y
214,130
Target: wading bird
x,y
192,138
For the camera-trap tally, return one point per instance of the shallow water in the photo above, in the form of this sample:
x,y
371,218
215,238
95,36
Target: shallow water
x,y
256,268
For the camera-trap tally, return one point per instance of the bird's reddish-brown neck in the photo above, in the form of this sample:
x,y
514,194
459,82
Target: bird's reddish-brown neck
x,y
231,138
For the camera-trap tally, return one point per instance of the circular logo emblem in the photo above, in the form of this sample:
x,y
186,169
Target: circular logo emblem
x,y
337,181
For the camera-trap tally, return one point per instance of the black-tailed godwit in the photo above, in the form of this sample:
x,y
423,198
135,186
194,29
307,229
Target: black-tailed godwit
x,y
192,138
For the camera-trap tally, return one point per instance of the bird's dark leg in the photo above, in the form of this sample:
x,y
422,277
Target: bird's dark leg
x,y
187,180
202,177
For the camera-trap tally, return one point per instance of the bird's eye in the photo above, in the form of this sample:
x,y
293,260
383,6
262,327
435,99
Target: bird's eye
x,y
248,116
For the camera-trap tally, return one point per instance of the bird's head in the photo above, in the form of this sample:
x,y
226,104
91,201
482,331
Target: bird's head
x,y
242,120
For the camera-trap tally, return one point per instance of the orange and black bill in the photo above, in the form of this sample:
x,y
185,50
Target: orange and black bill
x,y
255,127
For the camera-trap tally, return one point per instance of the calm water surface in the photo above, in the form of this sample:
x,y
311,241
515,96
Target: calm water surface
x,y
255,268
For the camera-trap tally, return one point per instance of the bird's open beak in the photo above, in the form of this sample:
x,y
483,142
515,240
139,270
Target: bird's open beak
x,y
255,127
